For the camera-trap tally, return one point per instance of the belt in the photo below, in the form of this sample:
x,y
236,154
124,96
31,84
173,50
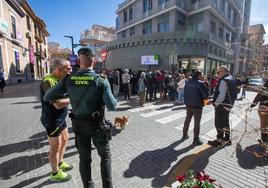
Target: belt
x,y
94,116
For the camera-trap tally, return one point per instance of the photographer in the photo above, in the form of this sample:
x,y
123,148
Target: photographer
x,y
88,93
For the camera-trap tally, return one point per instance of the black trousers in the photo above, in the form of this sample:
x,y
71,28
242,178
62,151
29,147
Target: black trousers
x,y
85,132
222,122
126,90
197,113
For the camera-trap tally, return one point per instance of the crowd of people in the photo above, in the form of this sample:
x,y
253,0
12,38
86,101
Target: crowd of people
x,y
89,91
152,85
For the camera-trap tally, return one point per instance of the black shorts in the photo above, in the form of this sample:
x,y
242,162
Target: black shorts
x,y
55,131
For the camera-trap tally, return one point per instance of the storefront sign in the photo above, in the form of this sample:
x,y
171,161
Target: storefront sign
x,y
73,59
31,54
19,36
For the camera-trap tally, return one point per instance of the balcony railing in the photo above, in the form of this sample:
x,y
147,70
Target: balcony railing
x,y
98,37
164,5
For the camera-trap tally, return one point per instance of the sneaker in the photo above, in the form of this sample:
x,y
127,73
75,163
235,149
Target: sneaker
x,y
215,143
65,166
185,137
60,176
197,142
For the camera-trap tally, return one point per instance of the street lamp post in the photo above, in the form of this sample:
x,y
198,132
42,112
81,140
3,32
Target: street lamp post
x,y
72,40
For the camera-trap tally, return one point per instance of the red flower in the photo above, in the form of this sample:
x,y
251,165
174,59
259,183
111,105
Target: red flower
x,y
180,178
200,177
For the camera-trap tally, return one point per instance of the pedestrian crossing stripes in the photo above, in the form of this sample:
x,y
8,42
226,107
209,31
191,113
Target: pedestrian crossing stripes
x,y
173,113
150,107
157,112
172,117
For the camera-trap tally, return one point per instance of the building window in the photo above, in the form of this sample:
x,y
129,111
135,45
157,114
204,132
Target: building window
x,y
36,47
163,26
123,34
200,26
17,60
210,49
227,37
130,11
150,4
229,13
163,23
28,23
222,6
234,18
117,23
132,31
232,38
212,27
196,27
221,33
13,23
147,28
125,16
161,2
147,5
194,1
35,30
44,38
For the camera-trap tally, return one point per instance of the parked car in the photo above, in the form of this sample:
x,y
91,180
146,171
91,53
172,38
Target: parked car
x,y
255,83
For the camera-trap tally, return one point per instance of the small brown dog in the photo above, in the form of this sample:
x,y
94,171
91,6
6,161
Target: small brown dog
x,y
121,121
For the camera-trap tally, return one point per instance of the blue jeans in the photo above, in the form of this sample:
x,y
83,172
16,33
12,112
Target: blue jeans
x,y
181,96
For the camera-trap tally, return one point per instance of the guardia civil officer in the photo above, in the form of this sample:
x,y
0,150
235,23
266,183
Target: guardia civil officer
x,y
88,93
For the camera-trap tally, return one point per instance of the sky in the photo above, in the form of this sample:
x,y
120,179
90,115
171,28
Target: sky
x,y
259,14
71,17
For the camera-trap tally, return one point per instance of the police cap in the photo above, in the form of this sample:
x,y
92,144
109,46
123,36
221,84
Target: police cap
x,y
86,51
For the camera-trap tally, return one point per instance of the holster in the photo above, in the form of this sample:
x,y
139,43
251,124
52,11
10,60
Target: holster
x,y
106,128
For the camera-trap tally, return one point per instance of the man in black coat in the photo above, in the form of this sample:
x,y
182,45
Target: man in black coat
x,y
195,92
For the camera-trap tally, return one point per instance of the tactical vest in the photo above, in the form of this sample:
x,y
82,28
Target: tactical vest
x,y
231,93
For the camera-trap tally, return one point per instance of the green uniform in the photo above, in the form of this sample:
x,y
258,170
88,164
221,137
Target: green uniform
x,y
87,92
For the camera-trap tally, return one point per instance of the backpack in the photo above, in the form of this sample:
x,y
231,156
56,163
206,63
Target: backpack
x,y
232,91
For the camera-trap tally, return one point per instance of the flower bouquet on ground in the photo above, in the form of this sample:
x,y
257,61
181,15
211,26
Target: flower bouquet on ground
x,y
189,180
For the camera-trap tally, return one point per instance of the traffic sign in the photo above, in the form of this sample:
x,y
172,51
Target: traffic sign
x,y
103,54
73,59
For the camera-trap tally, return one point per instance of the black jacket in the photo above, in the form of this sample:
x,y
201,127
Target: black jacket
x,y
195,92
